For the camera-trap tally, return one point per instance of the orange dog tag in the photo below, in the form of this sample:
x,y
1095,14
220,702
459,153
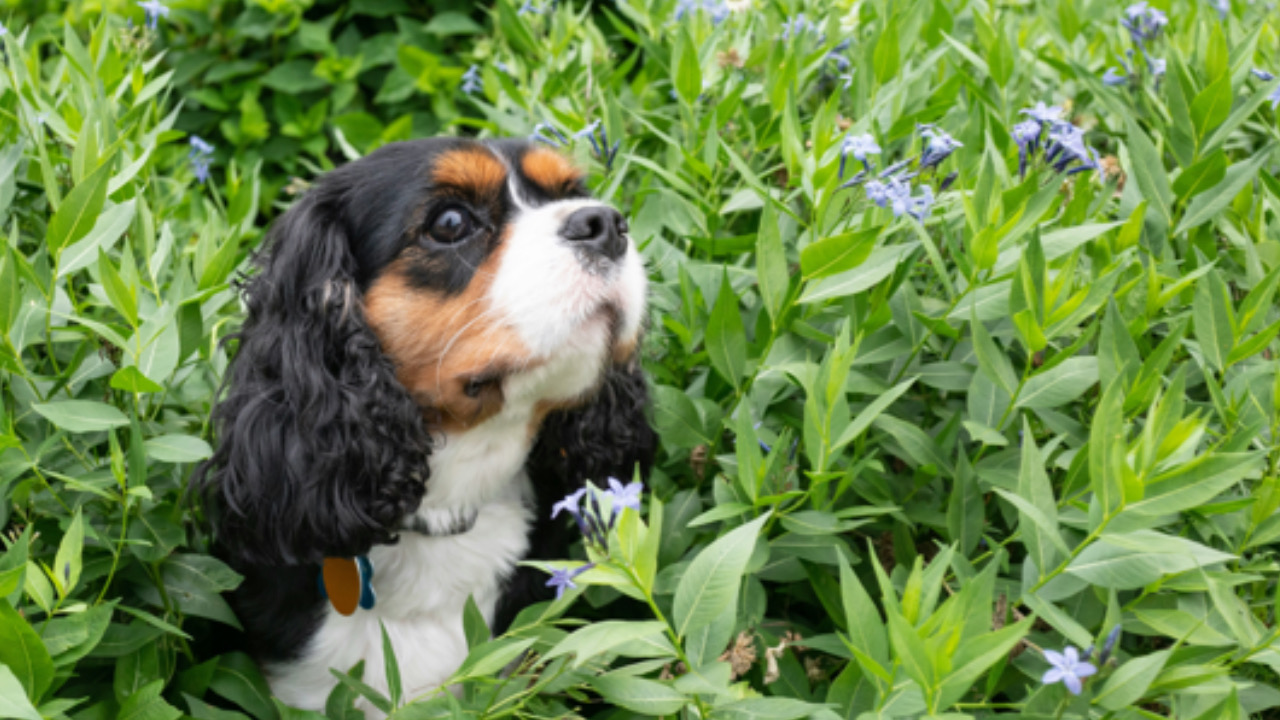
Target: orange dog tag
x,y
342,584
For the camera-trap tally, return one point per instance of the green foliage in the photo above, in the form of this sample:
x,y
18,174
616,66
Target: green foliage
x,y
900,457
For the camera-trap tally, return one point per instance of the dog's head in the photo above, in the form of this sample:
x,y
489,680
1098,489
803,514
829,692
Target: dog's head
x,y
432,293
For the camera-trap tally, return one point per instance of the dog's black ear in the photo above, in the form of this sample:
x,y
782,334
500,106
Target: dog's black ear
x,y
608,437
320,449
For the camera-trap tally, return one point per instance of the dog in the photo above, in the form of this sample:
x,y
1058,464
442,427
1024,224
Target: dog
x,y
441,341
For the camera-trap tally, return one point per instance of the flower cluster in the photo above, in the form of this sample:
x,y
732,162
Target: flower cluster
x,y
471,82
200,156
154,10
1155,67
797,26
556,139
548,134
717,10
1143,23
599,138
591,521
1265,76
1064,145
891,188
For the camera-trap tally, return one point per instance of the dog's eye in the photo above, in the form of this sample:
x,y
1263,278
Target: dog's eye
x,y
451,226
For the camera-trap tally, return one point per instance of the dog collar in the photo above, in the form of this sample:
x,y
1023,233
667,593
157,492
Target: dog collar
x,y
348,582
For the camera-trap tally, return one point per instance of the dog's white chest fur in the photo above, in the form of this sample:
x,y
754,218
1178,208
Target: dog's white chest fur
x,y
422,583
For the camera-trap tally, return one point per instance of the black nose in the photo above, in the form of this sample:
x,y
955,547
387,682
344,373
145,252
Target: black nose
x,y
597,229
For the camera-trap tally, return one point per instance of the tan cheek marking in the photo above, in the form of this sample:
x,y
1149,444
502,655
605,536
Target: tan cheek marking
x,y
470,169
438,344
549,169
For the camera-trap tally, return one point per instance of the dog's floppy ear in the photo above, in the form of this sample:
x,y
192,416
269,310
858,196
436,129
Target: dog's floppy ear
x,y
608,437
320,449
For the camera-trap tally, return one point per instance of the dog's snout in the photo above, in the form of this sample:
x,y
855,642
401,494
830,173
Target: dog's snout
x,y
598,229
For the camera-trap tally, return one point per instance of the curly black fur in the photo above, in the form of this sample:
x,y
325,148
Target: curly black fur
x,y
321,450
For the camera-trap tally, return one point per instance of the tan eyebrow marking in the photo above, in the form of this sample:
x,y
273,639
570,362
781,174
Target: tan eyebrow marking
x,y
470,169
549,169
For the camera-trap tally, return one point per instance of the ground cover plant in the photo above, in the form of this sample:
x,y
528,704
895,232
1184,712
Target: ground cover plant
x,y
962,345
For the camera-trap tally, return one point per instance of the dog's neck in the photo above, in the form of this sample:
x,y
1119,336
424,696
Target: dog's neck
x,y
472,469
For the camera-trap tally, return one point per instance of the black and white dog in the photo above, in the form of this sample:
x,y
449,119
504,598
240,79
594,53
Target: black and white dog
x,y
441,342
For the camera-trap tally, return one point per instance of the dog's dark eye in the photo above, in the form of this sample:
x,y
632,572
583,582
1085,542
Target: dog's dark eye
x,y
451,226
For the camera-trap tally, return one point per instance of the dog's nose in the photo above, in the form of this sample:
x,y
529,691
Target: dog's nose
x,y
598,229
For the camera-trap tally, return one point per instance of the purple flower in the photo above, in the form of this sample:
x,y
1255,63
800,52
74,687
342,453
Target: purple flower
x,y
625,496
555,139
878,193
154,9
717,10
939,147
1223,7
1143,23
859,146
1044,114
1274,97
1109,644
599,137
569,503
1068,669
1262,75
1066,145
3,30
1114,77
563,579
921,204
799,25
1027,135
471,82
200,156
528,7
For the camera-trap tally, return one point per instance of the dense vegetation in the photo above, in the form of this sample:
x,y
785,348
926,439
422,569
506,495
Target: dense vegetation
x,y
963,344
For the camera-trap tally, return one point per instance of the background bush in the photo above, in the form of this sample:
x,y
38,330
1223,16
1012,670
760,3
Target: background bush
x,y
901,458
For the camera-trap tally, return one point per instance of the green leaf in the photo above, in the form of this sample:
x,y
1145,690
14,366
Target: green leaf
x,y
1060,384
648,697
1214,319
176,448
1202,176
1148,169
726,337
976,656
24,654
107,229
688,69
1206,205
13,698
1195,483
79,210
238,679
867,415
1130,681
887,56
131,380
711,582
67,563
991,360
866,631
772,274
1212,106
146,704
910,650
81,416
600,637
1107,448
838,253
390,666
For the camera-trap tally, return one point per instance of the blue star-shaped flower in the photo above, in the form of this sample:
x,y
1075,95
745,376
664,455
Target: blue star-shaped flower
x,y
154,9
1068,669
625,496
569,503
1044,114
859,146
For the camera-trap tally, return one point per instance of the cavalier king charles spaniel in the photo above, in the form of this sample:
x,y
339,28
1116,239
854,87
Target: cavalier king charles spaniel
x,y
441,342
